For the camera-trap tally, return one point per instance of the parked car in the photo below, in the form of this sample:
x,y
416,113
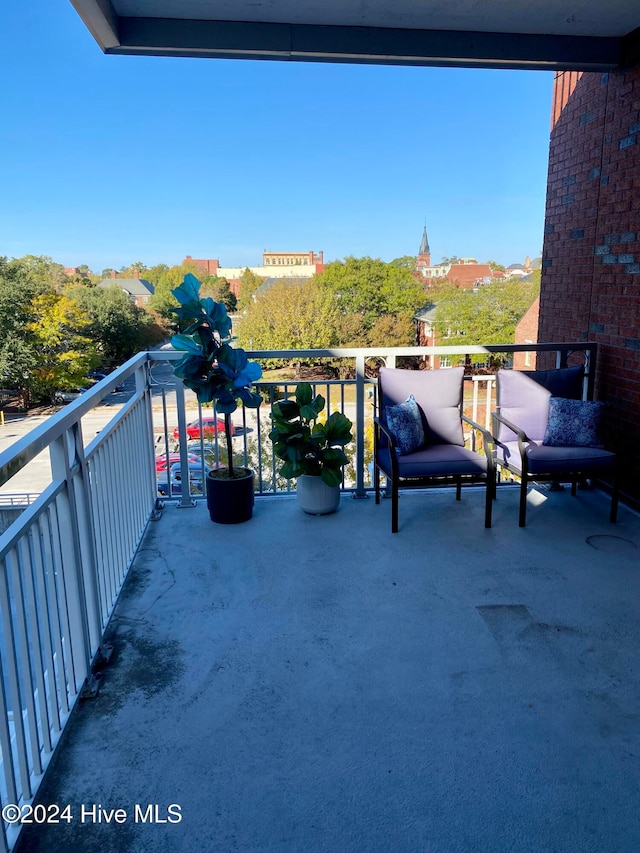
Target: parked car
x,y
161,461
196,481
210,427
69,395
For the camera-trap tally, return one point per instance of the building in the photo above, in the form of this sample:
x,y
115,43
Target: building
x,y
139,289
590,285
209,266
466,272
288,259
274,265
527,333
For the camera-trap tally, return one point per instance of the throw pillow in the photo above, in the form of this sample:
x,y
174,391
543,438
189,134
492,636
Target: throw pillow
x,y
405,424
573,423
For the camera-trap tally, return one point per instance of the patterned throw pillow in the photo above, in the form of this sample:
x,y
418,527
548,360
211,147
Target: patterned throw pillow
x,y
405,423
573,423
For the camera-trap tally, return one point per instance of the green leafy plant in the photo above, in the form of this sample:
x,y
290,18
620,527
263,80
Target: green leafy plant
x,y
306,446
216,371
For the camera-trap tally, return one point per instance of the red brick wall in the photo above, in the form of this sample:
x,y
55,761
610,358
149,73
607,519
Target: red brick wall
x,y
527,332
591,258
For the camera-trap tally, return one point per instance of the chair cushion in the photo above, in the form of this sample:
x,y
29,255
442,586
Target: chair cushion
x,y
436,460
542,459
523,397
438,393
405,424
573,423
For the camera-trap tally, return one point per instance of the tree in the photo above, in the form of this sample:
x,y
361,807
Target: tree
x,y
249,283
153,273
18,353
294,314
218,289
66,353
372,289
117,326
163,300
130,271
496,266
406,262
43,270
488,316
18,363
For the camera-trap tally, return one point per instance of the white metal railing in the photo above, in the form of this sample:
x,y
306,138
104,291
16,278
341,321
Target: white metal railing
x,y
355,397
64,559
62,564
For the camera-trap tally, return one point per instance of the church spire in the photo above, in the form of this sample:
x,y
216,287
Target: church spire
x,y
424,255
424,245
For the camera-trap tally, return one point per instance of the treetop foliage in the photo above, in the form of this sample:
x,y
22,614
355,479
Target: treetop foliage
x,y
488,316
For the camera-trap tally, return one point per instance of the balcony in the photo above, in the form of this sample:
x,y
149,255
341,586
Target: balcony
x,y
317,684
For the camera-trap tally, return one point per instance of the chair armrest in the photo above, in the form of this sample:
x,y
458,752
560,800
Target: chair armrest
x,y
378,428
488,441
487,438
522,436
385,429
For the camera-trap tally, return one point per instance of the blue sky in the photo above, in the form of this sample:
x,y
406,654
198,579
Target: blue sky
x,y
110,160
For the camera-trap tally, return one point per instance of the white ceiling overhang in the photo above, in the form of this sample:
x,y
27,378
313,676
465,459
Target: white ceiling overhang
x,y
588,35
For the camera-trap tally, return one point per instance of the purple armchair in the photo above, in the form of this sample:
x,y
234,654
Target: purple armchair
x,y
418,436
544,430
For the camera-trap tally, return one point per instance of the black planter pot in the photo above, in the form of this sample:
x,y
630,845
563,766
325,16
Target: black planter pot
x,y
230,501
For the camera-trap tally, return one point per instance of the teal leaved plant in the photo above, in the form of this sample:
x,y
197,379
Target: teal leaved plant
x,y
218,372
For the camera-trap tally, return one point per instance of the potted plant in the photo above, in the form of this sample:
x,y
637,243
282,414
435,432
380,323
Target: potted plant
x,y
220,374
311,451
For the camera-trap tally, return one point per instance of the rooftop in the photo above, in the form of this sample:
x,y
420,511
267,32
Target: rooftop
x,y
318,684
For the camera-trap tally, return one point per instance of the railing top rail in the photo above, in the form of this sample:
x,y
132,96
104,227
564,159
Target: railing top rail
x,y
26,448
372,352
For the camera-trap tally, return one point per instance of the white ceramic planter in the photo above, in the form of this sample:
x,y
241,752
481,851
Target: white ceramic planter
x,y
315,497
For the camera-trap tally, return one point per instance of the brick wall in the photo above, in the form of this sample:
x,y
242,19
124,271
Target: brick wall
x,y
527,333
591,259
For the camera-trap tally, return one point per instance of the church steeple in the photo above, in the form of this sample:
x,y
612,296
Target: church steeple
x,y
424,253
424,245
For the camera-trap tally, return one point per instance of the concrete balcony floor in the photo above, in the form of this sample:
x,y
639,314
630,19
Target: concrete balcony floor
x,y
321,685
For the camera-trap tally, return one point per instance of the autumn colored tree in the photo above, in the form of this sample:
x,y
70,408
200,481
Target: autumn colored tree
x,y
291,314
249,283
65,352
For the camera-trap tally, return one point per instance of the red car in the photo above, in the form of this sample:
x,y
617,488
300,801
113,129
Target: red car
x,y
210,426
161,461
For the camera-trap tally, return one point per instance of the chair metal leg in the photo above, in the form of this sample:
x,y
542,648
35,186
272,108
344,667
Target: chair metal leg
x,y
458,490
376,480
615,495
523,502
488,504
394,507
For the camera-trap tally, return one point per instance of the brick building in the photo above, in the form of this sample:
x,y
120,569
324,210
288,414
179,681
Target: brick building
x,y
590,287
274,265
209,266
